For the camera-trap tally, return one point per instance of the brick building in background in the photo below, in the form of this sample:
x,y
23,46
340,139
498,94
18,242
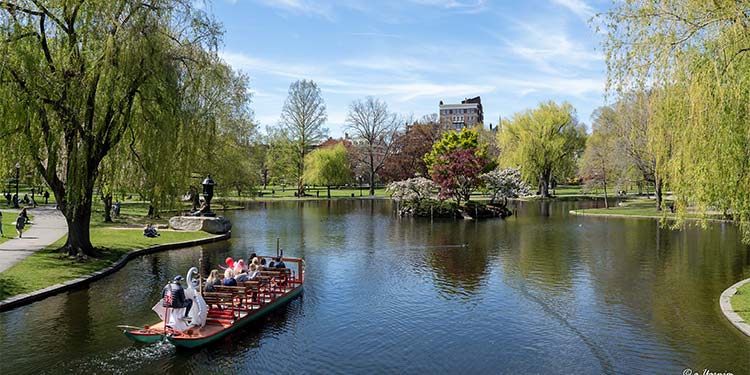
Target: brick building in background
x,y
465,115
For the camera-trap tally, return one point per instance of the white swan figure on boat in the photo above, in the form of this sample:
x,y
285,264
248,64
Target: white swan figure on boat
x,y
199,311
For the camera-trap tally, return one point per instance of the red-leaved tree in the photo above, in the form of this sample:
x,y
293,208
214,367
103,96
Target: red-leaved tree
x,y
407,159
457,172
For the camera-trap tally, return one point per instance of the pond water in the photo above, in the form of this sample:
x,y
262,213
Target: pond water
x,y
540,292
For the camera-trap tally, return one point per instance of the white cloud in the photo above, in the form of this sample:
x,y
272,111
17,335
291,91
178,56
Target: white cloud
x,y
579,7
468,6
306,7
550,49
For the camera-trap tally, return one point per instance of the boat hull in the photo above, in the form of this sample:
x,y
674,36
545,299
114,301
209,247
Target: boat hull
x,y
189,342
143,338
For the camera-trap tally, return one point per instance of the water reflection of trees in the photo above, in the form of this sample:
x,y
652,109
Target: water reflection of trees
x,y
458,254
668,282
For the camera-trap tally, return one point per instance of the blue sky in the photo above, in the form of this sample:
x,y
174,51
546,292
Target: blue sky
x,y
414,53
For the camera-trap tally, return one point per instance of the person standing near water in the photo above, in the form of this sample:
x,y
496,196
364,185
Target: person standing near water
x,y
1,225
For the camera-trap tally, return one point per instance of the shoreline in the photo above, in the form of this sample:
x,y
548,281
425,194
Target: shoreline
x,y
38,295
591,214
725,303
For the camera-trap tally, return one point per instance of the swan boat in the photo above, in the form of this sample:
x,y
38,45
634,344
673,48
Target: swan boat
x,y
216,314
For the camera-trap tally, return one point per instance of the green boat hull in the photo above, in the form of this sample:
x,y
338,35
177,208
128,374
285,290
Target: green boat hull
x,y
194,343
146,339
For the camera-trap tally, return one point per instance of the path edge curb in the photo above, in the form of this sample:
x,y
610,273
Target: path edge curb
x,y
27,298
725,302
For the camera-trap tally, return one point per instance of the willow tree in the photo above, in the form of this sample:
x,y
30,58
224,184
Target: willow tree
x,y
76,75
328,166
209,131
633,128
544,143
695,56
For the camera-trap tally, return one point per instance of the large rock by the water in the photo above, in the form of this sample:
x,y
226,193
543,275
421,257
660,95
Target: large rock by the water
x,y
215,225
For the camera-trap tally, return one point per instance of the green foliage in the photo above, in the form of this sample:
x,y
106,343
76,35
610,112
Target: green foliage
x,y
300,129
328,166
430,208
465,139
601,163
692,57
78,79
544,142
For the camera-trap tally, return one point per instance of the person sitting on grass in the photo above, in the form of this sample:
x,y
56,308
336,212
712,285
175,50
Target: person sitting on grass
x,y
229,279
150,231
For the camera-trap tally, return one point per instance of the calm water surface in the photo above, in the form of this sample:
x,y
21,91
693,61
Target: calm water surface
x,y
542,292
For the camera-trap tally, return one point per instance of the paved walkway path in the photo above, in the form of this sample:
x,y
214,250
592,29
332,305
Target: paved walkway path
x,y
49,226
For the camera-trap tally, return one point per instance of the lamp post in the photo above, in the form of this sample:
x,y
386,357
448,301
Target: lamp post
x,y
18,174
359,181
208,194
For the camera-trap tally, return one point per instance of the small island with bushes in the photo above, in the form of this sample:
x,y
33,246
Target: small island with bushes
x,y
458,165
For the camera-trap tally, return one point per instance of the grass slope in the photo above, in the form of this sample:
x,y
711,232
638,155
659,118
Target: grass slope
x,y
48,267
741,302
641,207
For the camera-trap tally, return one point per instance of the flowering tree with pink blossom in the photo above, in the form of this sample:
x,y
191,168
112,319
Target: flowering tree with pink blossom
x,y
457,172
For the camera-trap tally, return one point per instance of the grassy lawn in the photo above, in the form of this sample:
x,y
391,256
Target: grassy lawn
x,y
48,267
741,302
276,192
641,207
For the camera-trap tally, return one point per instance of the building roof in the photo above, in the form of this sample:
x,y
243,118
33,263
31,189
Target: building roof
x,y
459,106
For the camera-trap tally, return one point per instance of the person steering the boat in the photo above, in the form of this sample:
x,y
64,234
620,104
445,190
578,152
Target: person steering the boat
x,y
174,296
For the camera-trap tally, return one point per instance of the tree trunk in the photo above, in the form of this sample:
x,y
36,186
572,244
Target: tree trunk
x,y
658,192
329,191
604,181
300,187
372,182
107,199
544,179
78,216
74,199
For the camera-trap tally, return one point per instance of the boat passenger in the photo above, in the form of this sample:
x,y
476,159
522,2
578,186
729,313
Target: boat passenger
x,y
254,272
174,296
280,263
239,267
229,279
262,264
213,279
242,276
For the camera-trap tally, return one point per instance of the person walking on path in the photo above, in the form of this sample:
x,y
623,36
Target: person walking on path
x,y
20,223
46,197
49,225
